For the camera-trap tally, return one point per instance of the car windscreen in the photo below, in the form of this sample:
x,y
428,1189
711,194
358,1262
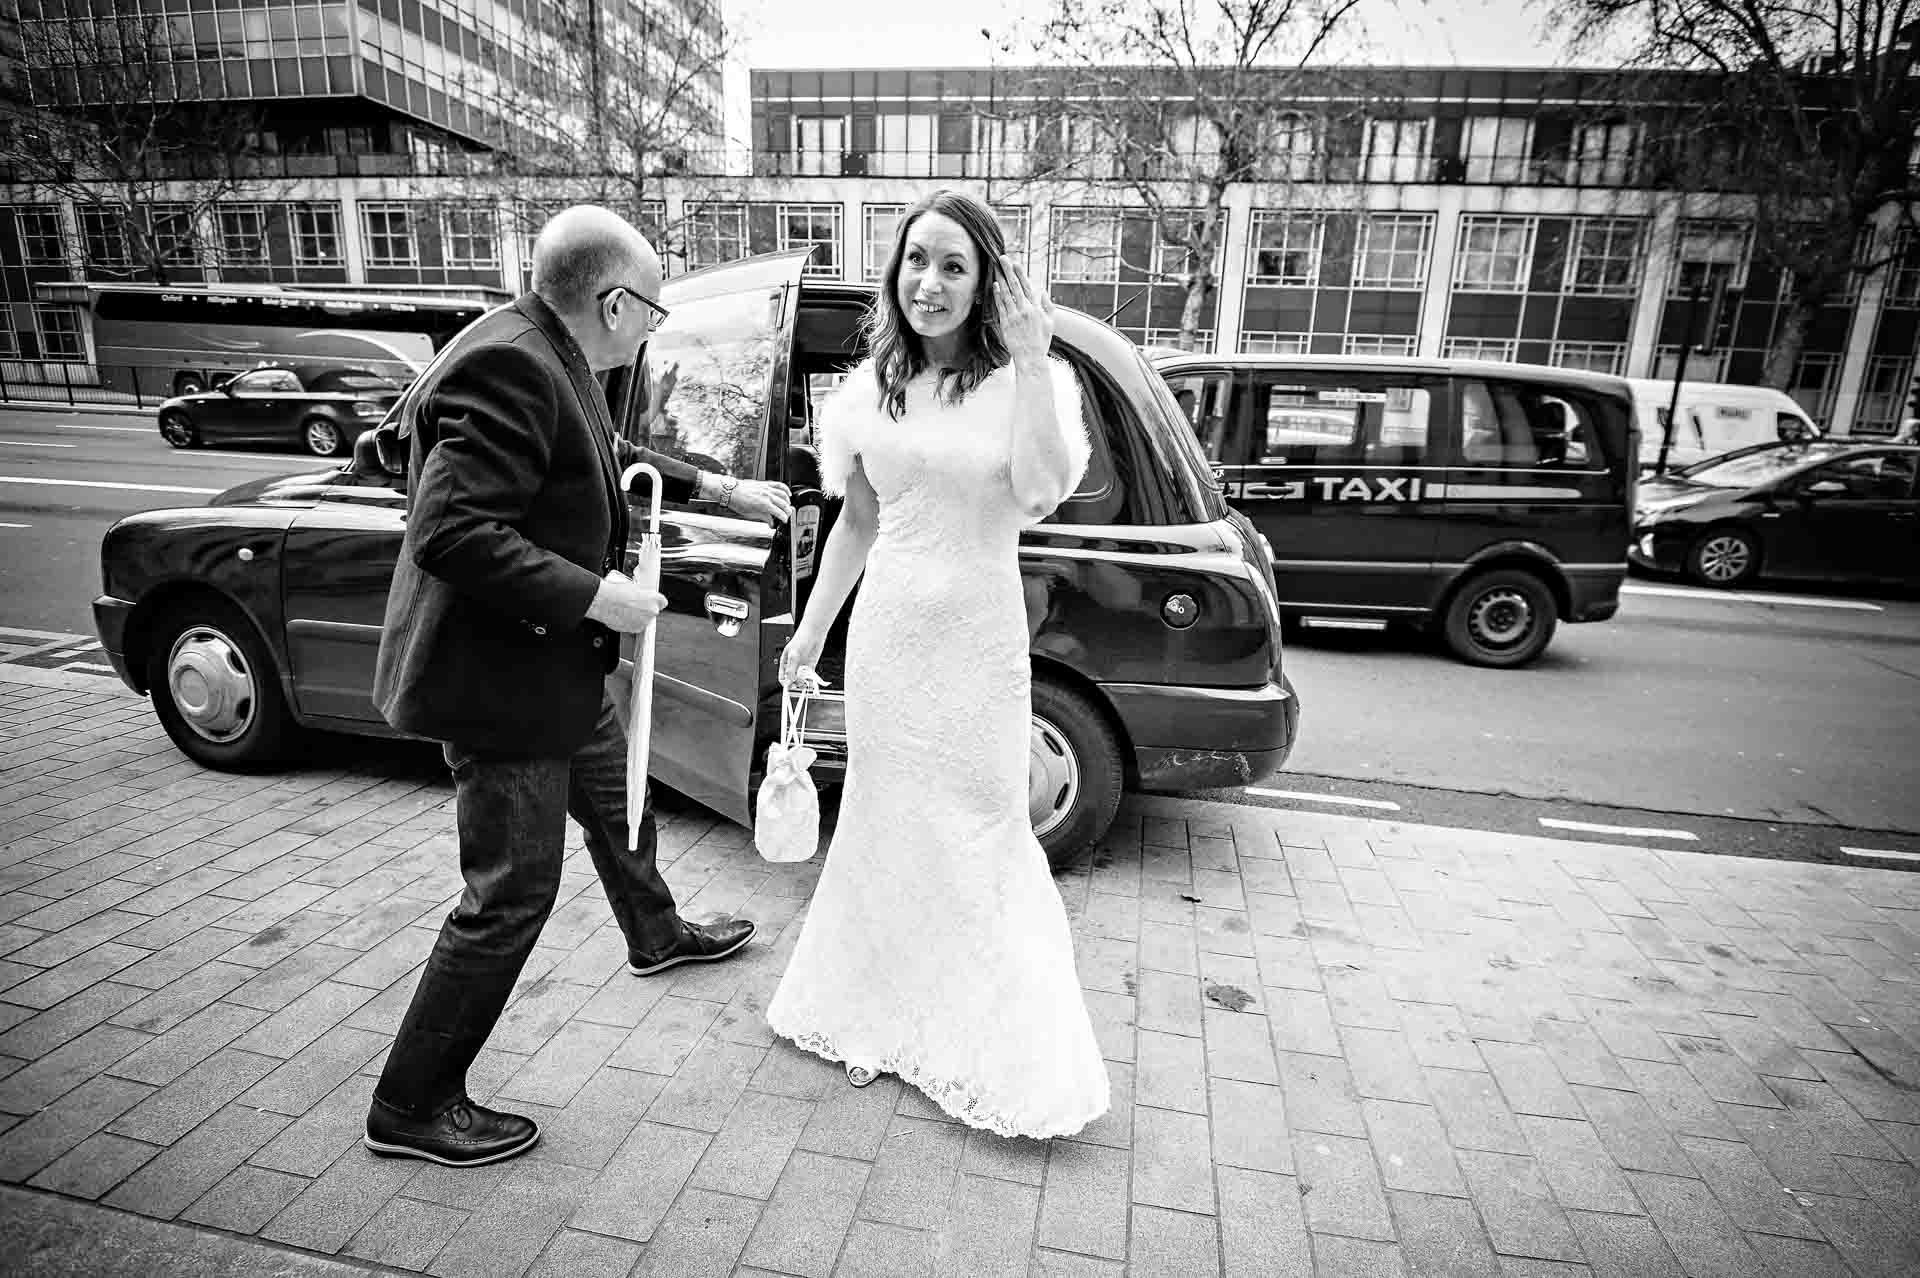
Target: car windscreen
x,y
1752,469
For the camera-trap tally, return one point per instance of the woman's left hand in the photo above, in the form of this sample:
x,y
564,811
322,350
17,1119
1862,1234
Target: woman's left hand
x,y
1025,313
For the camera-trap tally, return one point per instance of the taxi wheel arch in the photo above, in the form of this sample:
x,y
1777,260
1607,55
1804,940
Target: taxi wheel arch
x,y
1077,720
154,632
1502,616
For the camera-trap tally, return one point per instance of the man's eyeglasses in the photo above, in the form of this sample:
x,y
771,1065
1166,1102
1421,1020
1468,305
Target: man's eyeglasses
x,y
660,312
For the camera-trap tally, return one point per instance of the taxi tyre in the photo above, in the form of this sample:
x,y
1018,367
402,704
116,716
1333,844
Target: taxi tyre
x,y
189,384
1066,720
178,430
322,438
1713,548
206,641
1484,596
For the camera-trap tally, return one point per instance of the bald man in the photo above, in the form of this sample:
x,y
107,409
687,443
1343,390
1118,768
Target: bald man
x,y
502,624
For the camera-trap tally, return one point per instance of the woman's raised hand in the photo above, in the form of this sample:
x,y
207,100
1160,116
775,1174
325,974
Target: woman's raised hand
x,y
1026,313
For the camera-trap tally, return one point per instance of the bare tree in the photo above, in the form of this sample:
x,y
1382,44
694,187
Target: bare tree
x,y
128,135
1179,101
1803,120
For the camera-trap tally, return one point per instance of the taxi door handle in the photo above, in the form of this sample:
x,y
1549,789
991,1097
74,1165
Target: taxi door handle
x,y
727,613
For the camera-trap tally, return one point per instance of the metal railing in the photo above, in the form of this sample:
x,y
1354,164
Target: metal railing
x,y
51,382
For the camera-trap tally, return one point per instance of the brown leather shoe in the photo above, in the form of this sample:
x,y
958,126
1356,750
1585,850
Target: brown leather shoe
x,y
462,1135
699,943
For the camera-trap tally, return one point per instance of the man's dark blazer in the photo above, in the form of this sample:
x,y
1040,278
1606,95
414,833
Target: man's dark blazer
x,y
515,515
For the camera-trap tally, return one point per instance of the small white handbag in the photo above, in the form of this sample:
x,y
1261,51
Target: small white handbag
x,y
786,824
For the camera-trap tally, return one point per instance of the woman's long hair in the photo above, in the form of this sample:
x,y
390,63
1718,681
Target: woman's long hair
x,y
898,356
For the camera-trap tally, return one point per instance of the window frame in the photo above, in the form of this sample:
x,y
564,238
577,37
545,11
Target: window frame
x,y
1363,249
1499,350
467,237
1325,387
1398,165
696,232
785,211
405,210
874,254
106,224
66,313
1058,247
1612,164
1488,168
1559,352
1288,221
1718,229
1577,255
303,233
1518,269
253,249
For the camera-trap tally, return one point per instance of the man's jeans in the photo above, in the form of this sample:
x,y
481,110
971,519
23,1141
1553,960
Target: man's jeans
x,y
512,821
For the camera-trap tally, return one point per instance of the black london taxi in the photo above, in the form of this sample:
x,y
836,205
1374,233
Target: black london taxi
x,y
1484,501
1155,632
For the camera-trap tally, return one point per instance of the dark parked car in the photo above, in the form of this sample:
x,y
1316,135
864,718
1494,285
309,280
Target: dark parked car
x,y
1484,502
1828,510
1155,636
320,409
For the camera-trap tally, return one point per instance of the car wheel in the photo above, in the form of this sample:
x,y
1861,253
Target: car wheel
x,y
1723,558
1074,774
322,437
188,383
1503,618
215,687
178,429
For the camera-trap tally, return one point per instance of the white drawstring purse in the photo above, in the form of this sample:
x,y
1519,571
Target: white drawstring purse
x,y
786,823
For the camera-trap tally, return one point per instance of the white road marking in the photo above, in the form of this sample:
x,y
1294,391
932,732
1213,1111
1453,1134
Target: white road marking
x,y
1736,596
107,483
1867,853
16,525
124,430
1382,804
26,443
91,667
1630,831
1342,623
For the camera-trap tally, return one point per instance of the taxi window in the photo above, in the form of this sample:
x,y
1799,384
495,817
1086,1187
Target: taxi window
x,y
1203,399
1511,424
1355,421
715,416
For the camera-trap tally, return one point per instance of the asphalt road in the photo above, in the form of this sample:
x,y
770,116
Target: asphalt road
x,y
1778,723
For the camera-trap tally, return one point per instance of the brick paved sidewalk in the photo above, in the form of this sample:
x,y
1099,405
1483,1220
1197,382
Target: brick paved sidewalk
x,y
1339,1046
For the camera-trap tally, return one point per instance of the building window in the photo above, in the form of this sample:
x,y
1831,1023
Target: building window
x,y
905,145
529,216
1883,396
1273,343
1392,252
102,237
878,224
1501,349
386,235
1293,150
1702,366
1495,148
469,236
1495,254
814,226
170,233
60,335
1816,380
716,233
1015,223
1713,253
243,234
1593,357
1603,154
818,141
42,242
1376,344
1172,258
1086,247
1170,338
1397,150
1603,257
1903,271
1285,248
316,235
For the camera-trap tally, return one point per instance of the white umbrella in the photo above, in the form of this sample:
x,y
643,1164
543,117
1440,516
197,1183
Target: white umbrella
x,y
646,574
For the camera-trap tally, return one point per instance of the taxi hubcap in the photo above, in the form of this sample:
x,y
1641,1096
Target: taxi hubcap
x,y
1501,618
320,437
211,684
1053,778
1723,559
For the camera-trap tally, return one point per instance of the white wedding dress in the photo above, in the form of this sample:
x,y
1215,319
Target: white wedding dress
x,y
936,945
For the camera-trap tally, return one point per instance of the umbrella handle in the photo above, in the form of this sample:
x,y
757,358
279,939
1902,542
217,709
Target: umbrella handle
x,y
650,525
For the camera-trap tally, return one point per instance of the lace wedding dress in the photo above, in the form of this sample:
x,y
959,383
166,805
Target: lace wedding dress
x,y
936,945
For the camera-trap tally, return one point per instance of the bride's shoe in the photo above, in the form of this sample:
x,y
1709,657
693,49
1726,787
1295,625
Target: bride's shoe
x,y
860,1075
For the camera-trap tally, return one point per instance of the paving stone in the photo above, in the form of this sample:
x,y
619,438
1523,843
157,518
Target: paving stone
x,y
195,1096
1721,1074
1623,1246
1437,1036
1172,1242
1752,1197
665,1035
1320,1095
1576,1166
76,974
1799,1257
1580,1055
1239,1045
1249,1122
176,1002
297,1085
1172,1164
1262,1229
1790,1148
634,1193
1517,1207
852,1122
708,1085
529,1207
752,1145
337,1206
52,949
1084,1207
1338,1257
94,1166
1874,1243
1530,1080
1441,1237
1694,1225
1474,1112
1413,1149
588,1132
196,1162
1340,1186
39,1084
317,1138
572,1254
296,1026
989,1228
36,1141
1171,1071
1383,1064
406,1233
874,1250
913,1176
1678,1101
246,1200
1113,1023
1302,1021
563,1065
1020,1159
805,1222
1632,1134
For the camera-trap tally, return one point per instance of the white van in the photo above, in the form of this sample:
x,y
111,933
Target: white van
x,y
1713,418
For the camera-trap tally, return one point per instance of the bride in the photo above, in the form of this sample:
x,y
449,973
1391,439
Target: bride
x,y
936,945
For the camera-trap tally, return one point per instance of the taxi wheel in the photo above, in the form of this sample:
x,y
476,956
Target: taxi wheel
x,y
1074,773
1503,618
215,688
322,437
1723,558
178,429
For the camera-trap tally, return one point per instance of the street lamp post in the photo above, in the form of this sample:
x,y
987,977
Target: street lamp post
x,y
993,119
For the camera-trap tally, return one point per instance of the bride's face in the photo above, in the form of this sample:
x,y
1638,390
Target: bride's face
x,y
939,278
